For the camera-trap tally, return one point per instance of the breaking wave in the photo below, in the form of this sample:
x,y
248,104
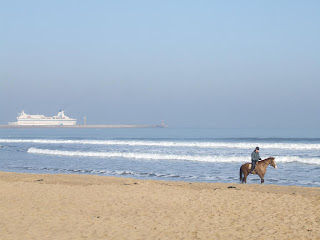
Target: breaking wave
x,y
116,172
153,156
238,145
132,155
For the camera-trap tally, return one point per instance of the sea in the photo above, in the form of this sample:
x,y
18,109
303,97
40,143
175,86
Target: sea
x,y
170,154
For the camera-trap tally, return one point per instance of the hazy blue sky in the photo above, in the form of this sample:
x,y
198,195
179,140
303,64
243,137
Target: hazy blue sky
x,y
218,64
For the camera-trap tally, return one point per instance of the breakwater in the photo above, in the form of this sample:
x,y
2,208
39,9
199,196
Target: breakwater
x,y
85,126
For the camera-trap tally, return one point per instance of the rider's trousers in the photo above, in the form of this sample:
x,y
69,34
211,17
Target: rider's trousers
x,y
253,165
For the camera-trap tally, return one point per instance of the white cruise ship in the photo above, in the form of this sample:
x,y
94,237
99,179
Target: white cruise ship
x,y
41,120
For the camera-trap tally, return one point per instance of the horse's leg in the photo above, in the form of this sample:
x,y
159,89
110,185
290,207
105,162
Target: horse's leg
x,y
261,175
245,176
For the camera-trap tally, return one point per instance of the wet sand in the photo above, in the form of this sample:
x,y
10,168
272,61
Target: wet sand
x,y
44,206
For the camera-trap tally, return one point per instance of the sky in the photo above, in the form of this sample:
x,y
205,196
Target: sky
x,y
215,64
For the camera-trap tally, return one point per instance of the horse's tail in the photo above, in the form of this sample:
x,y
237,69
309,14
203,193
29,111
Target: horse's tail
x,y
241,173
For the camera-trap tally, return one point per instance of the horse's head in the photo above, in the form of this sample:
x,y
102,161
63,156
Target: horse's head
x,y
273,162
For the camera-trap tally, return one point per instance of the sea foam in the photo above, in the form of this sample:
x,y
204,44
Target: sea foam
x,y
153,156
197,144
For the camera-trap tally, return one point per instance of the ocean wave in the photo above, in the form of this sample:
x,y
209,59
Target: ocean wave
x,y
113,172
135,174
133,155
153,156
232,145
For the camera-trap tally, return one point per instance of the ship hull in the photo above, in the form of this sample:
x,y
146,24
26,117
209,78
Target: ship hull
x,y
53,122
40,120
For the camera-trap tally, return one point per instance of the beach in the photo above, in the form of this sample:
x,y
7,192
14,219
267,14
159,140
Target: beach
x,y
67,206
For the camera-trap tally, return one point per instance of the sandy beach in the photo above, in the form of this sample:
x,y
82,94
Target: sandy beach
x,y
38,206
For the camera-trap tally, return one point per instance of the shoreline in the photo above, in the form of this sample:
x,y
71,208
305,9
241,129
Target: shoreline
x,y
71,206
250,181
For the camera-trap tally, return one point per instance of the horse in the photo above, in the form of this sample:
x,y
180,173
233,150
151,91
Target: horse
x,y
261,168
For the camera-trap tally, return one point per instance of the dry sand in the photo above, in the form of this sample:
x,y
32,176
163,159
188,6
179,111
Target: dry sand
x,y
34,206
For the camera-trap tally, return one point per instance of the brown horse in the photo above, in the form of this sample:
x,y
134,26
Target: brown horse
x,y
261,168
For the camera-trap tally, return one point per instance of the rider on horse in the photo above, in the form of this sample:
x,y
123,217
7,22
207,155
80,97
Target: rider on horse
x,y
254,158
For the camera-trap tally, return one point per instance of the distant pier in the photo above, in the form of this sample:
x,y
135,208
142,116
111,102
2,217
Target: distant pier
x,y
85,126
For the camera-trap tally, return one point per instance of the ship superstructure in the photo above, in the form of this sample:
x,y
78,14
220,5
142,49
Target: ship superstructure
x,y
41,120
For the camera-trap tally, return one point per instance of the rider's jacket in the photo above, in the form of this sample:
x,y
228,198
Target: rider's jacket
x,y
255,156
